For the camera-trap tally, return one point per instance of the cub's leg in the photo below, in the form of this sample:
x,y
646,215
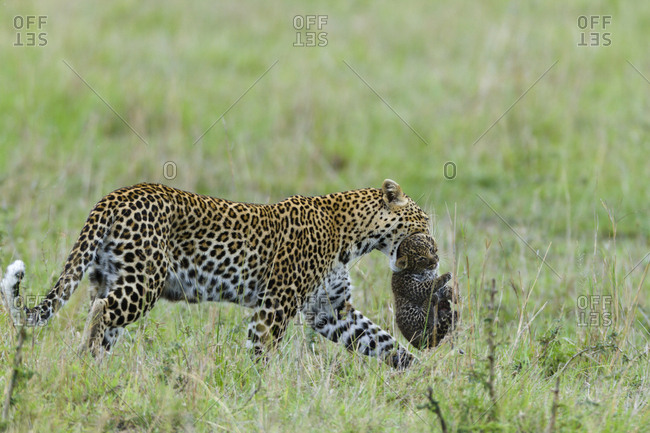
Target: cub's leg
x,y
330,313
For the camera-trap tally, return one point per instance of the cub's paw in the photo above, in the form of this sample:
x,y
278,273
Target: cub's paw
x,y
441,281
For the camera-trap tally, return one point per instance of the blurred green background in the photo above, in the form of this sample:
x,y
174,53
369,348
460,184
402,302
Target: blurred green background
x,y
546,131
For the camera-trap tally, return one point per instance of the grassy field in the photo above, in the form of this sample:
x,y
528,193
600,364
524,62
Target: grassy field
x,y
519,141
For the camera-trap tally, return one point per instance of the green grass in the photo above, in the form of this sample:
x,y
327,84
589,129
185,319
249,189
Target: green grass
x,y
566,167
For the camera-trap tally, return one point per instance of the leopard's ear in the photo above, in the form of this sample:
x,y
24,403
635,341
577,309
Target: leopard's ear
x,y
393,195
402,262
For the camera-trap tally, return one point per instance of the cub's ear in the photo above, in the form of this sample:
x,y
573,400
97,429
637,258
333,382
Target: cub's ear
x,y
402,262
393,195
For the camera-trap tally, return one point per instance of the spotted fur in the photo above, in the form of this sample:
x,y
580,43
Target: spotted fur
x,y
149,242
422,300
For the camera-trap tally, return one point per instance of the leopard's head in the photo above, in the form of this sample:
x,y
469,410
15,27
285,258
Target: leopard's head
x,y
400,218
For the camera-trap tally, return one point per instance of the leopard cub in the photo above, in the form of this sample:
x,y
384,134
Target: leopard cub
x,y
422,299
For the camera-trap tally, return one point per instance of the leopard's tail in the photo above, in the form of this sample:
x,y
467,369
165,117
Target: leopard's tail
x,y
81,257
9,287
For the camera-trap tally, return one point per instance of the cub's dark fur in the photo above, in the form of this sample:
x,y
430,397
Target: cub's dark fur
x,y
422,299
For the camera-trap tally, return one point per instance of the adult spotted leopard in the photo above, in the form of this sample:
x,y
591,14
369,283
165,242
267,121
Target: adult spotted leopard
x,y
149,241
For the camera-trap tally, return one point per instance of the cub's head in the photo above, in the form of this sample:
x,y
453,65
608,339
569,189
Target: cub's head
x,y
417,253
399,218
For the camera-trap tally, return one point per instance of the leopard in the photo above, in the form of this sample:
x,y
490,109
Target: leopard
x,y
150,242
423,310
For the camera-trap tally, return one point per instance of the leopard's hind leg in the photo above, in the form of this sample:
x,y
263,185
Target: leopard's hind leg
x,y
130,272
95,328
108,316
99,337
133,293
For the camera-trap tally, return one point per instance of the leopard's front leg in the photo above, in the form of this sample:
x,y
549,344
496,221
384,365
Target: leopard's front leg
x,y
330,313
268,325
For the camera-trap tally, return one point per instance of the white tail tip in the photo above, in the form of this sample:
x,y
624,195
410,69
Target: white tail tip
x,y
9,286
